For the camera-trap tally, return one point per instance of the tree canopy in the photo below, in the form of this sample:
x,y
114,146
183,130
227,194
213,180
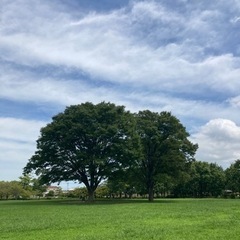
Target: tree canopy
x,y
165,147
85,143
202,180
90,143
233,176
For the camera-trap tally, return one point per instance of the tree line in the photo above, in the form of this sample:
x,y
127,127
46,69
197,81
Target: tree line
x,y
24,188
94,143
202,179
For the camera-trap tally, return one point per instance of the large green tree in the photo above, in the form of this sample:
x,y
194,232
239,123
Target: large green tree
x,y
85,143
165,147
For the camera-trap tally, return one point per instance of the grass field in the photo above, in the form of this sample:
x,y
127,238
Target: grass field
x,y
137,219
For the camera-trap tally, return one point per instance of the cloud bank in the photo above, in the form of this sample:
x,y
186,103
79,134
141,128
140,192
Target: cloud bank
x,y
182,57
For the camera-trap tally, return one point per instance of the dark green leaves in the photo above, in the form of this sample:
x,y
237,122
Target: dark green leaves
x,y
89,143
85,143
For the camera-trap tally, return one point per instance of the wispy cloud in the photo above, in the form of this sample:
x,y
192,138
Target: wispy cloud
x,y
182,57
106,47
17,144
19,129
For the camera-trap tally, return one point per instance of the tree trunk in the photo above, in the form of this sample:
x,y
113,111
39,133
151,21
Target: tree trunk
x,y
150,194
150,185
90,195
150,175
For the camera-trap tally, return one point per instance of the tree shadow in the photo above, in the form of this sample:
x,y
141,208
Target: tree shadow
x,y
116,201
60,202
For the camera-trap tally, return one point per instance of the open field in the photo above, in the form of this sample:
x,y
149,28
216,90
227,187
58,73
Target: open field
x,y
136,219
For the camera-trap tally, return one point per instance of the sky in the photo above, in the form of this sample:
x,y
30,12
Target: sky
x,y
180,56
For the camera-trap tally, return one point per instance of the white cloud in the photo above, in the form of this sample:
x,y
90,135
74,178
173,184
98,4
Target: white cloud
x,y
20,129
235,20
106,46
235,101
17,144
218,142
148,55
24,86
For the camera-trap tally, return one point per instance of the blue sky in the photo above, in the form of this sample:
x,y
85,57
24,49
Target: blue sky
x,y
180,56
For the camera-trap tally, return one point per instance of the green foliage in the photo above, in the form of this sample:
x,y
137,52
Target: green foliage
x,y
38,188
164,185
80,193
50,194
26,182
14,190
102,191
165,219
165,147
124,183
233,177
203,180
91,143
25,188
85,143
5,190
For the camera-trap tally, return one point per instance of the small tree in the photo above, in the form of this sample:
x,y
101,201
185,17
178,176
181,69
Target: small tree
x,y
38,187
102,191
80,193
5,190
16,189
50,193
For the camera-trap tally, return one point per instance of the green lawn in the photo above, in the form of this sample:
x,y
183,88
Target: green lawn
x,y
137,219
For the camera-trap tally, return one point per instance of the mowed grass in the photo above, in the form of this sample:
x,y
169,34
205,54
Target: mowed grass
x,y
136,219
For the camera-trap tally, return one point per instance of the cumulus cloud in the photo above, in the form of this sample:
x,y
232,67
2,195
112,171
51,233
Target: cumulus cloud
x,y
218,142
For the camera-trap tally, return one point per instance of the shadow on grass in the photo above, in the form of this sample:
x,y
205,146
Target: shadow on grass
x,y
118,201
49,202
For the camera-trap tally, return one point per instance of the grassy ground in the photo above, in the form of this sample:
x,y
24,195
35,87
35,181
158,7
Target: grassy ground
x,y
164,219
